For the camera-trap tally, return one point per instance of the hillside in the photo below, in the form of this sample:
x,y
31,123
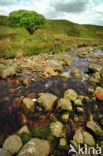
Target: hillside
x,y
68,28
73,29
55,36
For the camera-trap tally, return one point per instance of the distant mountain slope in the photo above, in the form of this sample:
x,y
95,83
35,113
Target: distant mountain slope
x,y
68,28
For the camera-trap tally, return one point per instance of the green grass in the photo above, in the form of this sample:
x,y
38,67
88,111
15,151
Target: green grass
x,y
17,42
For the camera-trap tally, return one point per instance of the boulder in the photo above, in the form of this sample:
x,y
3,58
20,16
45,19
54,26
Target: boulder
x,y
78,137
35,147
88,139
8,72
64,104
56,128
78,102
29,104
12,144
47,100
95,77
94,127
70,94
95,67
4,152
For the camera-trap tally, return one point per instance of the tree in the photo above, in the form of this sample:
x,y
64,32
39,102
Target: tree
x,y
30,20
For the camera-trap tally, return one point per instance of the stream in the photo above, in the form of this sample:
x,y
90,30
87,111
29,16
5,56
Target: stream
x,y
11,116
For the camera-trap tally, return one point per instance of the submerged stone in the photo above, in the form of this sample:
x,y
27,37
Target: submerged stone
x,y
29,104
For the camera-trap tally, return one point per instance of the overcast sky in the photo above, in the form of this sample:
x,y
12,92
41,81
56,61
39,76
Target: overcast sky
x,y
78,11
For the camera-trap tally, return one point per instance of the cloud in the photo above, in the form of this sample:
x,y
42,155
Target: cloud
x,y
78,11
73,6
8,2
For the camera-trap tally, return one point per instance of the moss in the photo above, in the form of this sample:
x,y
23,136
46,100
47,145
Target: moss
x,y
25,137
39,132
42,133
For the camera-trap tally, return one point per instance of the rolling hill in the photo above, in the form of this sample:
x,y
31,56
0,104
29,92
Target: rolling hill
x,y
66,34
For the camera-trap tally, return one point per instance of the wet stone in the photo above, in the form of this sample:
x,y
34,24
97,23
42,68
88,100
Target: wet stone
x,y
12,144
4,152
70,94
95,128
47,100
35,147
64,104
56,128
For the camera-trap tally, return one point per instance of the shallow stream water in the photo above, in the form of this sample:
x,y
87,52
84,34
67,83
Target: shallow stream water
x,y
10,116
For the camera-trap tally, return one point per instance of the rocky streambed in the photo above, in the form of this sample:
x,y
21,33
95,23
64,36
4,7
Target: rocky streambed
x,y
60,95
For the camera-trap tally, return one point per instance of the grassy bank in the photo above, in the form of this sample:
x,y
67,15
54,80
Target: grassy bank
x,y
56,36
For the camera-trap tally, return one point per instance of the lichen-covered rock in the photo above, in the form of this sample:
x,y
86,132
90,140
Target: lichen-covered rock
x,y
64,104
55,64
63,143
65,75
90,89
29,104
12,144
35,147
4,152
98,90
78,102
77,73
24,129
95,128
65,117
78,137
95,77
80,110
70,94
99,93
88,139
8,72
47,100
50,71
56,128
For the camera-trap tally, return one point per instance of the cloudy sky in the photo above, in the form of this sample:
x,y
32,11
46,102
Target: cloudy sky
x,y
78,11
